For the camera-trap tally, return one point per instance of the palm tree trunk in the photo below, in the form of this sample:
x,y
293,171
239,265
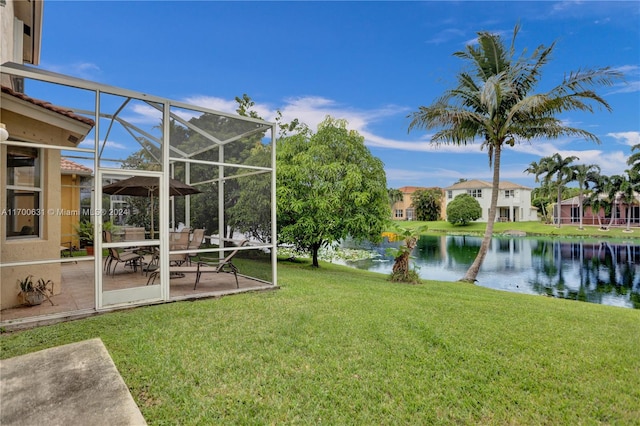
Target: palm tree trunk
x,y
474,269
559,205
581,213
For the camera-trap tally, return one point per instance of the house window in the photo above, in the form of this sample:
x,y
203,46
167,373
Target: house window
x,y
509,193
410,214
398,213
475,193
24,192
449,194
575,214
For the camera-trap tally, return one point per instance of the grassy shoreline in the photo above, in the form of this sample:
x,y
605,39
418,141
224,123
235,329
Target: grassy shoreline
x,y
340,346
530,228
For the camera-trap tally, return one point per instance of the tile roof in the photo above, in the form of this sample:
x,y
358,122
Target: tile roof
x,y
48,105
69,167
479,184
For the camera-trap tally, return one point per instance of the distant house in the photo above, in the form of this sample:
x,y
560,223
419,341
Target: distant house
x,y
514,201
570,213
403,210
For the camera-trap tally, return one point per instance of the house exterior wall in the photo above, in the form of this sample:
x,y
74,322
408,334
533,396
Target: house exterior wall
x,y
569,214
402,210
24,249
514,201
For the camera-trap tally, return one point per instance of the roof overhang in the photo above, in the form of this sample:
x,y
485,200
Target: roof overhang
x,y
30,122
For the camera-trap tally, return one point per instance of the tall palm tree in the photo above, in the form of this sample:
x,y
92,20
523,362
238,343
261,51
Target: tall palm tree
x,y
614,194
597,199
556,165
493,102
628,188
583,174
536,169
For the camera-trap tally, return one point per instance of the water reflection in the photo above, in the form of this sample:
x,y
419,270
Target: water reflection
x,y
597,272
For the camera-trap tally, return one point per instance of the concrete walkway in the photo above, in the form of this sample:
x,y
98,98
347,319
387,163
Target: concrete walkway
x,y
75,384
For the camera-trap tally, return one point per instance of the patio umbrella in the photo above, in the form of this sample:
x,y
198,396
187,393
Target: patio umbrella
x,y
147,186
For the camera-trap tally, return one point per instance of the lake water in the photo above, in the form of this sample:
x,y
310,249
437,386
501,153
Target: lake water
x,y
603,272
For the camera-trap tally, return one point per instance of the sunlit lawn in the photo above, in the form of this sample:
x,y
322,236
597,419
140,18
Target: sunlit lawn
x,y
341,346
531,228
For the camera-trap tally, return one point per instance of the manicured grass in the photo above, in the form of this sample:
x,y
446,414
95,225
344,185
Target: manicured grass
x,y
341,346
531,228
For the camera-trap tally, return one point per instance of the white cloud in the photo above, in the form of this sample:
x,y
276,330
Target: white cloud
x,y
628,138
84,70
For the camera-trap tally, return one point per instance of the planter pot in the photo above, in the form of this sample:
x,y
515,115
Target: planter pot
x,y
89,250
33,298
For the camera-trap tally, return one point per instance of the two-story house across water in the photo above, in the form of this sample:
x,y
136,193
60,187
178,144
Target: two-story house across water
x,y
514,201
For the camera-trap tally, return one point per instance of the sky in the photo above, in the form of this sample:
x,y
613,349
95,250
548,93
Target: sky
x,y
371,63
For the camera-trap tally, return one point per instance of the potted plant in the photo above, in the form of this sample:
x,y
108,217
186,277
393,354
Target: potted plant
x,y
85,232
34,293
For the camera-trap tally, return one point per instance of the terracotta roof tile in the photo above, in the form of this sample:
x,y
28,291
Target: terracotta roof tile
x,y
67,165
48,105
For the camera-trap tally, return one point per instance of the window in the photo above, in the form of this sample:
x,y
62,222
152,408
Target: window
x,y
509,193
24,192
449,194
398,213
410,214
575,214
475,193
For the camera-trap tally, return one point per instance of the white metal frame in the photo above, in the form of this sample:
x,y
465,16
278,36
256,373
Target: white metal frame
x,y
107,302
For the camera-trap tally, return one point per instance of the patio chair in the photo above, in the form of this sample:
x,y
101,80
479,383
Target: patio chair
x,y
128,258
179,241
217,266
195,243
205,266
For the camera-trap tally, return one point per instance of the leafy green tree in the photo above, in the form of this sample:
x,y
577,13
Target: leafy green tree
x,y
329,186
426,203
252,212
463,209
495,104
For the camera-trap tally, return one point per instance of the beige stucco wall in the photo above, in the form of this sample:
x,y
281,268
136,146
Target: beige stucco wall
x,y
32,249
70,203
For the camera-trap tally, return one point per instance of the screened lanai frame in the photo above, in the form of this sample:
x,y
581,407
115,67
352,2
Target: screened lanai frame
x,y
172,160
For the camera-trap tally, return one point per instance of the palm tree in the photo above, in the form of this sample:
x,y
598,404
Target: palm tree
x,y
583,174
597,199
493,102
628,188
395,195
634,159
614,188
559,167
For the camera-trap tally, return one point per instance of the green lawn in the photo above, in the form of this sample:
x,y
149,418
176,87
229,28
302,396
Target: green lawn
x,y
531,228
342,346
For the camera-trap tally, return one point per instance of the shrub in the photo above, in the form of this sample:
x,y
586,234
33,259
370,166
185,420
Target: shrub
x,y
463,209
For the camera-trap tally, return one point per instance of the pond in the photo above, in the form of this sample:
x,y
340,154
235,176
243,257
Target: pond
x,y
604,272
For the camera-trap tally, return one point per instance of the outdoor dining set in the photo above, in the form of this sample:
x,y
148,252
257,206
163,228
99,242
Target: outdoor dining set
x,y
147,259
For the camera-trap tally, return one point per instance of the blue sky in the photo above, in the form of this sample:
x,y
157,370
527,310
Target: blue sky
x,y
371,63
